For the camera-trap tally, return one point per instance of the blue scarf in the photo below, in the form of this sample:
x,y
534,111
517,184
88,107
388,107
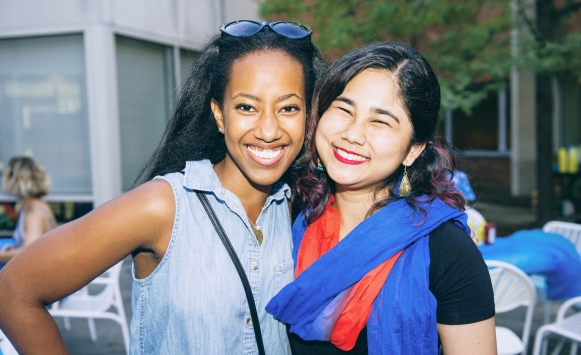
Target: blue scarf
x,y
403,316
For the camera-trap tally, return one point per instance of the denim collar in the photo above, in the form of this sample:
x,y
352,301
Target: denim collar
x,y
200,175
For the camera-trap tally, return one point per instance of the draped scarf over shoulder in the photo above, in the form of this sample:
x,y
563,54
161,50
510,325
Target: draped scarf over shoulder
x,y
322,302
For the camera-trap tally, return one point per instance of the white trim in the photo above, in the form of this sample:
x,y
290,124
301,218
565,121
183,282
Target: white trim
x,y
54,198
42,31
101,71
156,38
502,117
448,127
485,154
177,73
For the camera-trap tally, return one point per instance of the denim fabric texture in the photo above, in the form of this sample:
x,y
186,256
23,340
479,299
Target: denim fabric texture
x,y
194,302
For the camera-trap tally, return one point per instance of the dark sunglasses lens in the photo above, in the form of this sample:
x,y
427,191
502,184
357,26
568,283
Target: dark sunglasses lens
x,y
291,29
242,28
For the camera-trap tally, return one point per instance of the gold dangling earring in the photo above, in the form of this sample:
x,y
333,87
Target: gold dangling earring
x,y
320,165
405,188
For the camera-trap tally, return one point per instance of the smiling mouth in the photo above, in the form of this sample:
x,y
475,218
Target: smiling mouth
x,y
265,153
349,157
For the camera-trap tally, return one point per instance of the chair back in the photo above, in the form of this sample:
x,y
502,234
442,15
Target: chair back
x,y
571,231
83,304
106,298
512,288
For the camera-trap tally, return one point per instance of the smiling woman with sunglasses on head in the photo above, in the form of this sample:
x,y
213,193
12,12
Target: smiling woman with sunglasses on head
x,y
238,126
384,260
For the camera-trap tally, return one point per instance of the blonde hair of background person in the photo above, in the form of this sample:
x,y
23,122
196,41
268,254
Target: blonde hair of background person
x,y
26,180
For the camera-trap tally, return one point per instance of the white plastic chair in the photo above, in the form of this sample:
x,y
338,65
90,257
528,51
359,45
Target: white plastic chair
x,y
512,289
5,346
571,231
568,327
84,305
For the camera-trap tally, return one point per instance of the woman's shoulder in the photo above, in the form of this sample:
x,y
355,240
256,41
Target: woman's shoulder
x,y
155,196
450,245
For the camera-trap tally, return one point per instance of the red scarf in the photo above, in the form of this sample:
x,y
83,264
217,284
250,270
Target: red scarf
x,y
320,237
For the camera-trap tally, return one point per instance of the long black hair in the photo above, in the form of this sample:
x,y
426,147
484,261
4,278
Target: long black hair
x,y
192,133
419,91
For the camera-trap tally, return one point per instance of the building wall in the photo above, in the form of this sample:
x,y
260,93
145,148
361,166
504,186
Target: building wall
x,y
186,22
169,33
490,173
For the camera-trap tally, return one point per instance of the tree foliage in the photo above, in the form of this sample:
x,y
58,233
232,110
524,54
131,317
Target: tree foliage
x,y
467,42
552,51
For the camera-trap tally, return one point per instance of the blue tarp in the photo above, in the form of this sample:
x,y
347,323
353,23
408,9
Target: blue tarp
x,y
541,253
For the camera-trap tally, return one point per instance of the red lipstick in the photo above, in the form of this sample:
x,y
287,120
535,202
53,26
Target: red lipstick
x,y
347,161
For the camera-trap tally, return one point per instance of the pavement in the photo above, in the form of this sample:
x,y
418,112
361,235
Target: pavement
x,y
508,219
110,341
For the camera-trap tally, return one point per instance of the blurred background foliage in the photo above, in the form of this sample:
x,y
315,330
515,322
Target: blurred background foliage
x,y
467,42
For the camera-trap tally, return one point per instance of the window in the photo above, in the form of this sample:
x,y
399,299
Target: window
x,y
43,108
145,81
187,58
485,130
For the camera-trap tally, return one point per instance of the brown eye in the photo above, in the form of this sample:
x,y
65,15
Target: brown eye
x,y
245,108
289,109
345,110
381,122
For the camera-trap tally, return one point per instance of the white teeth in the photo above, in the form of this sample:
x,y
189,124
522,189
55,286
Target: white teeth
x,y
265,153
350,156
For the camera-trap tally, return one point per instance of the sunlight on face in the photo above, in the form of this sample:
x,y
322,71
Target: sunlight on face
x,y
263,116
364,135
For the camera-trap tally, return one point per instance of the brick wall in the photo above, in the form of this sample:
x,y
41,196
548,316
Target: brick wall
x,y
487,173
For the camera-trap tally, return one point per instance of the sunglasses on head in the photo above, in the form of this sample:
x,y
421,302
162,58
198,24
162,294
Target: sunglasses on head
x,y
246,28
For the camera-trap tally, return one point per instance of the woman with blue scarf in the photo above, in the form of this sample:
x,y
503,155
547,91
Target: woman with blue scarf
x,y
383,259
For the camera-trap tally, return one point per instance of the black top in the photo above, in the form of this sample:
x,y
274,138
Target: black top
x,y
459,280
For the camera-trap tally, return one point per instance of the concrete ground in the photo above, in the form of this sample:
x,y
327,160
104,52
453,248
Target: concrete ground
x,y
110,341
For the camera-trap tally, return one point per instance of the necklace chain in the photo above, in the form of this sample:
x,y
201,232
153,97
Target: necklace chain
x,y
253,225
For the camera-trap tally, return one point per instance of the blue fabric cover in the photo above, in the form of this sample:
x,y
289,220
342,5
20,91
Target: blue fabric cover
x,y
462,184
403,316
538,252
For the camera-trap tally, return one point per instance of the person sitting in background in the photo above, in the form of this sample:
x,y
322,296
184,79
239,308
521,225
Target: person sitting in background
x,y
26,180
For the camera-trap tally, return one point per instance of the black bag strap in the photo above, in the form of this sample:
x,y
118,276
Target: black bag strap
x,y
249,297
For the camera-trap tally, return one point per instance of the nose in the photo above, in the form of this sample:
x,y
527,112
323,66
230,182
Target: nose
x,y
267,129
354,133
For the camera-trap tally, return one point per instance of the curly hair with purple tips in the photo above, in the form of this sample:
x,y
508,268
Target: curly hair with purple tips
x,y
430,175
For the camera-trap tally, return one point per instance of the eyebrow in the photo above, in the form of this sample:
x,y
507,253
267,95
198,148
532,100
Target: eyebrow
x,y
256,98
345,100
288,96
377,110
248,96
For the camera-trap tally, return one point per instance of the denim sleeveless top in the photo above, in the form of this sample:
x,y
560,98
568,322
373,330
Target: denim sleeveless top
x,y
194,302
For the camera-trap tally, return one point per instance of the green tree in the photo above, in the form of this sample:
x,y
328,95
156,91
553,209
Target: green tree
x,y
467,42
552,49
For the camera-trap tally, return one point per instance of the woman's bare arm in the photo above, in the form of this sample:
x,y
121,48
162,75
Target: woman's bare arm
x,y
475,338
67,258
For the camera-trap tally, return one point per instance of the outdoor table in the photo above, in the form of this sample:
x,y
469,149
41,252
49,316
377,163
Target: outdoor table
x,y
541,253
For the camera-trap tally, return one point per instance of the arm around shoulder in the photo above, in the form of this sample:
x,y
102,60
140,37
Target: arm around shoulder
x,y
70,256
